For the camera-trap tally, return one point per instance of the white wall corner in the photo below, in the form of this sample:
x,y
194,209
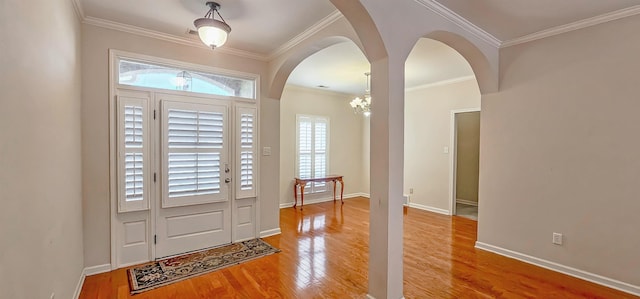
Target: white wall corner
x,y
88,271
270,232
76,294
588,276
77,6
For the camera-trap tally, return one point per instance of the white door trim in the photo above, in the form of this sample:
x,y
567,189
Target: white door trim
x,y
453,155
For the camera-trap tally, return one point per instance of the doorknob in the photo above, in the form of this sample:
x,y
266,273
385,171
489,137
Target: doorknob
x,y
226,168
227,180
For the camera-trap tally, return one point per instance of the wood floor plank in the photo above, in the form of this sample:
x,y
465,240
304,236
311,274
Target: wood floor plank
x,y
325,254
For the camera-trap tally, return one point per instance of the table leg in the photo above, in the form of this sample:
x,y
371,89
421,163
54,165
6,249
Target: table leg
x,y
334,190
302,195
341,190
295,194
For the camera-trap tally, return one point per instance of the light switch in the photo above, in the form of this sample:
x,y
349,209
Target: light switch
x,y
446,150
266,151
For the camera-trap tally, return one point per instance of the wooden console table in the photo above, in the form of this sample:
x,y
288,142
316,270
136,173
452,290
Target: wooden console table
x,y
303,182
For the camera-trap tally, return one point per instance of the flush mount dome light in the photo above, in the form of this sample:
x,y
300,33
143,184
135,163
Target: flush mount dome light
x,y
212,32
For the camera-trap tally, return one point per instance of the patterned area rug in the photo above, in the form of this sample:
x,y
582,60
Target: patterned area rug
x,y
152,275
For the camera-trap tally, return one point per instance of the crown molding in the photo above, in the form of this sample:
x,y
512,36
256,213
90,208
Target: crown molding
x,y
328,20
612,16
455,18
440,83
167,37
77,7
313,29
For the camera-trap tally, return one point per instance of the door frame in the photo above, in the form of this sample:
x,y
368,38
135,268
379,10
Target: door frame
x,y
453,155
114,86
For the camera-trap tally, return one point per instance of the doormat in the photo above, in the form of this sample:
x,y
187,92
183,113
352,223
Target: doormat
x,y
166,271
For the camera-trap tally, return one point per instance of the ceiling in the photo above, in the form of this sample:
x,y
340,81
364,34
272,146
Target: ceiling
x,y
341,67
262,27
248,19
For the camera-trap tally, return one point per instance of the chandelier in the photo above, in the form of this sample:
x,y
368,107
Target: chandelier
x,y
363,104
212,32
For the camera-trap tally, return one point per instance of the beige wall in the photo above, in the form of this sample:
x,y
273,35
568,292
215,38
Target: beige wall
x,y
560,151
345,137
467,155
427,133
40,165
96,43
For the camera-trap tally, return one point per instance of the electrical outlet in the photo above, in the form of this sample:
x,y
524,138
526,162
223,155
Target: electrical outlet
x,y
557,238
410,190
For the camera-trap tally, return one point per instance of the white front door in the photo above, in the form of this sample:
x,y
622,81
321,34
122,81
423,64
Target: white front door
x,y
194,206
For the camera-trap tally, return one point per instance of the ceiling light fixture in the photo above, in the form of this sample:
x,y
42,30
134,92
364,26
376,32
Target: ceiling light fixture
x,y
363,105
212,32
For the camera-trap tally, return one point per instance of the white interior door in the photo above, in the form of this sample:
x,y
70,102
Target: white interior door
x,y
194,210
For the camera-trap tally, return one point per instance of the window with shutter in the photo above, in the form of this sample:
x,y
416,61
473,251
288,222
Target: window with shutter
x,y
194,146
312,150
133,156
245,151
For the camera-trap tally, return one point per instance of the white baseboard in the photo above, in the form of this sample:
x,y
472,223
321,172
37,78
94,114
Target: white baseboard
x,y
324,199
88,271
76,294
467,202
270,232
428,208
595,278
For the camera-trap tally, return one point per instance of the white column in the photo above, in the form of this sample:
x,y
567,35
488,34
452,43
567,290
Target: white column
x,y
387,163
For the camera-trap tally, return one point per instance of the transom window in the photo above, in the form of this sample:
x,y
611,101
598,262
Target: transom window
x,y
144,74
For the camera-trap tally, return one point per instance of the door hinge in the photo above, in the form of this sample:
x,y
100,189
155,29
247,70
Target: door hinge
x,y
155,239
154,113
154,177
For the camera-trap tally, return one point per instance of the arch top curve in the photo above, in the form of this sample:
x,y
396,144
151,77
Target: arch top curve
x,y
366,37
291,61
367,31
486,75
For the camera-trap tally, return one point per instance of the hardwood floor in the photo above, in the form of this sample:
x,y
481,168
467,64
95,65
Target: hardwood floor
x,y
325,255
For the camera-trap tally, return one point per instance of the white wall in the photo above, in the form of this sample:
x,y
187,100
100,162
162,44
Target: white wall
x,y
40,165
96,43
560,152
427,132
345,138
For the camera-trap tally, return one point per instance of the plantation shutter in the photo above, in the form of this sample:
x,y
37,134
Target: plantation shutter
x,y
312,149
320,153
133,158
195,160
246,152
